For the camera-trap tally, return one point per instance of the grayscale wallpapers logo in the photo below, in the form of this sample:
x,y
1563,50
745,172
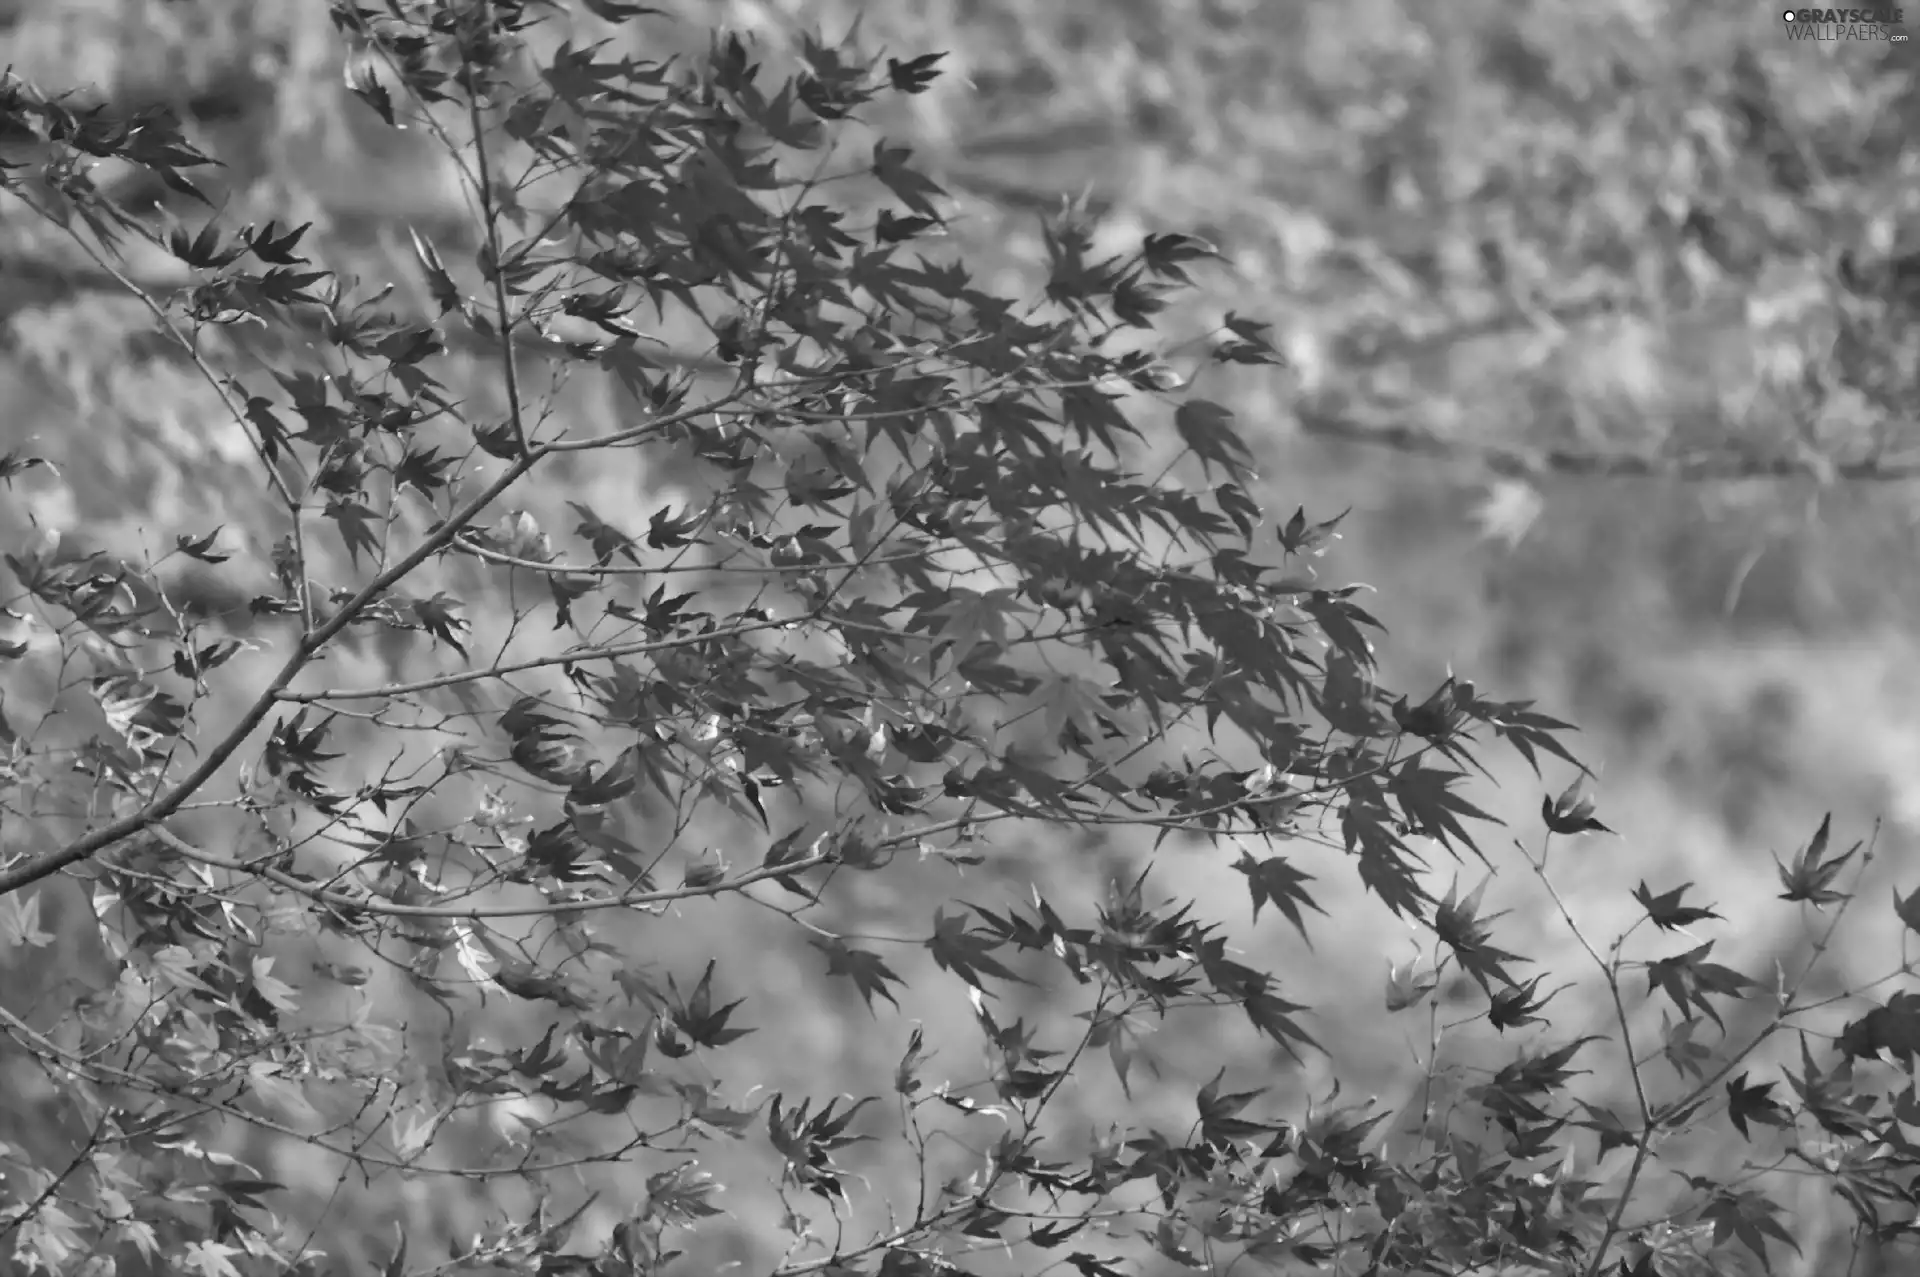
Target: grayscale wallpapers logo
x,y
1823,25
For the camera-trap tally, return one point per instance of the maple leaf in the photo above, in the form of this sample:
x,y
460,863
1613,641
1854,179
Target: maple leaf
x,y
1275,1017
1164,254
868,971
1513,1007
905,1073
605,539
423,470
1275,881
201,548
292,748
437,616
356,524
1688,979
702,1022
1426,795
973,618
13,463
1688,1057
1437,719
968,954
524,980
1810,878
1458,924
911,188
1520,726
1892,1030
1754,1104
1614,1133
20,922
1386,866
915,74
1220,1120
1666,911
1298,536
667,531
557,759
278,994
1571,812
816,487
1746,1217
1117,1033
1827,1096
1207,430
890,229
1068,699
1404,988
210,1259
1540,1073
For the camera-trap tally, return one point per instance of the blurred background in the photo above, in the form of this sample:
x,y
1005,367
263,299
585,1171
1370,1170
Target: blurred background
x,y
1631,228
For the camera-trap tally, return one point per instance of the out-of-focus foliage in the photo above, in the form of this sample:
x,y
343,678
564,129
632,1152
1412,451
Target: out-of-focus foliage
x,y
1647,239
711,550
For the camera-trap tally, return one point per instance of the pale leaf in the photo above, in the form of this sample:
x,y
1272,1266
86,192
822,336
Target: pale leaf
x,y
1508,511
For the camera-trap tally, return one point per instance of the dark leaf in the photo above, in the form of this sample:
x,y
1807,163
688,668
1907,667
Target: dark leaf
x,y
1571,812
1908,909
1207,429
1689,980
915,74
968,954
358,527
362,85
201,548
1811,878
1275,881
1748,1218
1754,1104
868,971
12,463
1666,911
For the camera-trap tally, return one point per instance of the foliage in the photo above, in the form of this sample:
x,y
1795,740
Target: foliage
x,y
925,583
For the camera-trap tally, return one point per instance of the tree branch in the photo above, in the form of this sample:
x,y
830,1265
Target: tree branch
x,y
34,282
629,900
33,869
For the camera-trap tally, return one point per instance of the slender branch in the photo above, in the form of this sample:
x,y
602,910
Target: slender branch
x,y
101,1073
118,281
34,868
478,551
1649,1126
630,900
33,281
490,226
609,652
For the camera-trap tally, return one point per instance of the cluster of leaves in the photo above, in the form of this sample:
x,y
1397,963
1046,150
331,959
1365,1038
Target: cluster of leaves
x,y
926,594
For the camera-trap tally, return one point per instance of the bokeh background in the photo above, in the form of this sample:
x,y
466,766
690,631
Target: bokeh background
x,y
1617,228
